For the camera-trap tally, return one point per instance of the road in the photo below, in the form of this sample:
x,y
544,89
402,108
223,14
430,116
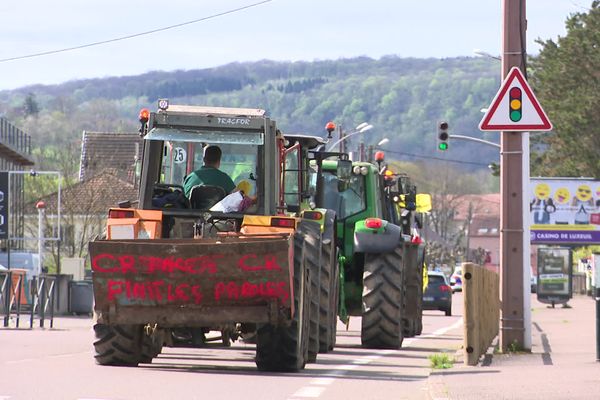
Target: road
x,y
58,364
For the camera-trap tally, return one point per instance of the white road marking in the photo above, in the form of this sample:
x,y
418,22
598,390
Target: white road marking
x,y
309,391
341,370
321,381
47,357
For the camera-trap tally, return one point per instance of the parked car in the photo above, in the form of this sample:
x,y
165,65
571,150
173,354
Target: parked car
x,y
438,294
456,280
22,260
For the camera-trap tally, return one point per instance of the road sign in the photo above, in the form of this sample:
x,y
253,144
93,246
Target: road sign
x,y
515,107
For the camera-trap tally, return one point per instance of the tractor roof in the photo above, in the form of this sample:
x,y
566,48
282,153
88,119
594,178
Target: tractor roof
x,y
306,140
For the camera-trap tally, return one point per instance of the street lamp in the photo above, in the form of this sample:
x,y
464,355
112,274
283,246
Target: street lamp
x,y
383,141
362,128
372,148
483,53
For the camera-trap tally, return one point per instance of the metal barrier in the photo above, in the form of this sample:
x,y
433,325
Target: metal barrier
x,y
14,299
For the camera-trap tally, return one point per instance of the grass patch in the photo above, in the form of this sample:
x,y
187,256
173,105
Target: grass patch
x,y
515,347
441,361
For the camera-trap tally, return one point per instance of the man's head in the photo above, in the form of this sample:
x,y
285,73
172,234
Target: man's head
x,y
212,156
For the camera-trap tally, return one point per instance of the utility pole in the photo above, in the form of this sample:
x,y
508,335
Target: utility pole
x,y
512,221
341,138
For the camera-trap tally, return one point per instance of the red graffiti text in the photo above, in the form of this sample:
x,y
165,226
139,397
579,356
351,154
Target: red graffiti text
x,y
247,290
159,291
107,263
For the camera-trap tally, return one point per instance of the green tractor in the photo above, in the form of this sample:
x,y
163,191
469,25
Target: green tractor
x,y
380,263
370,264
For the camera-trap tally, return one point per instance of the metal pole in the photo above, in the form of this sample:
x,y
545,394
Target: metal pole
x,y
511,191
8,276
362,149
341,138
598,324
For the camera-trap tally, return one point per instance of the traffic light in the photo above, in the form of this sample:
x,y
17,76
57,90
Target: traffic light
x,y
516,104
443,136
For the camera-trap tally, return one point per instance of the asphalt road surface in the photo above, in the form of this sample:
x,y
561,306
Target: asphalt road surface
x,y
58,364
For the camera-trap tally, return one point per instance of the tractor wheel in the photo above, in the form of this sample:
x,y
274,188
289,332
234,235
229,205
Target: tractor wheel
x,y
152,345
327,300
312,256
285,348
118,344
419,326
382,300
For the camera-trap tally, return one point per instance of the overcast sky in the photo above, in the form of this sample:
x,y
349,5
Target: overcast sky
x,y
277,30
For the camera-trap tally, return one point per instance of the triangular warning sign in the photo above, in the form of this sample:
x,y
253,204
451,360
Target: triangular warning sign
x,y
515,107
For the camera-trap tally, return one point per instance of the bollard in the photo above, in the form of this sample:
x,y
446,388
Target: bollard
x,y
598,324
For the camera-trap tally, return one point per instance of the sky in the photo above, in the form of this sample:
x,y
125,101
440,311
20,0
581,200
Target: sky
x,y
282,30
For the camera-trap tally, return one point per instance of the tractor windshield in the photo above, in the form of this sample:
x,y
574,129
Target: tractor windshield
x,y
183,153
347,202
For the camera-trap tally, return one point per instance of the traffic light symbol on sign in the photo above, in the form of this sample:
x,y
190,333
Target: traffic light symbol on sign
x,y
443,136
516,104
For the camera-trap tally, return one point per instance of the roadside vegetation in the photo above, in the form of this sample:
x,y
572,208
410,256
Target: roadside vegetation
x,y
441,361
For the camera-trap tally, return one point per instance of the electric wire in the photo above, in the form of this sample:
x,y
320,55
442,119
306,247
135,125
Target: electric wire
x,y
134,35
435,158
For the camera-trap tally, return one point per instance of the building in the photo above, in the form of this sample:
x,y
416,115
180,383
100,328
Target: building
x,y
15,157
84,208
481,215
119,152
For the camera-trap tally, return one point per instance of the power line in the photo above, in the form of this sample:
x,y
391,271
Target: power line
x,y
83,46
435,158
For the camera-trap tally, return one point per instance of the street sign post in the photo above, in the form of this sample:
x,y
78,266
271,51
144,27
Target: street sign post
x,y
515,107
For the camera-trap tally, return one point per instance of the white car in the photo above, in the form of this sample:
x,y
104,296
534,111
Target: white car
x,y
456,280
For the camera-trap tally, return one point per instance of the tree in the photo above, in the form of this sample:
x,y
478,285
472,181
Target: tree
x,y
31,107
566,81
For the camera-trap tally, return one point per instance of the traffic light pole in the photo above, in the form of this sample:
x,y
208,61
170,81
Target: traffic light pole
x,y
513,155
473,139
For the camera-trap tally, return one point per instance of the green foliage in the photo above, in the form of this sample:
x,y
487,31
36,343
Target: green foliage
x,y
580,253
31,106
566,81
440,361
514,347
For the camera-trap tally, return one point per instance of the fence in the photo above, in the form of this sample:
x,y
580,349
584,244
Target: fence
x,y
481,288
20,296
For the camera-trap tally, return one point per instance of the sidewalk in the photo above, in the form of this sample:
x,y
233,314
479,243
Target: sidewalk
x,y
562,363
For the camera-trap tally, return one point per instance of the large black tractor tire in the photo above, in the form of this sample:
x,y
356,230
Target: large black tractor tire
x,y
328,286
118,345
312,256
285,348
152,344
382,301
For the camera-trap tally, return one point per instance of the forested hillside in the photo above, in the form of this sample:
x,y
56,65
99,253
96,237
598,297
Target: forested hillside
x,y
402,98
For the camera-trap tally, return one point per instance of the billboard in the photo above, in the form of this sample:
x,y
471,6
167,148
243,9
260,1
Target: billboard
x,y
564,210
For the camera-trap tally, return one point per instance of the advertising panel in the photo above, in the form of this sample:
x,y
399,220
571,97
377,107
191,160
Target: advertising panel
x,y
554,271
564,210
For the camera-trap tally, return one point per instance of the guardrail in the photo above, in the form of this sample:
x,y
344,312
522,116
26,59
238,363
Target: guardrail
x,y
19,296
481,288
